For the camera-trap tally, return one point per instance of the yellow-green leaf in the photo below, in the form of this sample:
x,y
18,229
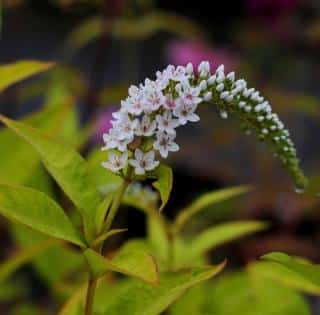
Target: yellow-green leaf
x,y
163,183
48,264
138,298
21,257
157,237
189,251
243,293
129,261
219,235
297,273
37,211
73,305
208,199
137,28
19,161
17,71
67,167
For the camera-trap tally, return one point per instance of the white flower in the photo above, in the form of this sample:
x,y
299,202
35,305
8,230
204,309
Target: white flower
x,y
116,162
143,162
189,94
153,100
212,79
203,85
189,68
179,73
133,90
224,115
126,127
208,96
120,113
146,127
220,69
166,123
165,143
204,68
122,144
220,87
170,103
186,112
220,77
231,76
134,105
110,139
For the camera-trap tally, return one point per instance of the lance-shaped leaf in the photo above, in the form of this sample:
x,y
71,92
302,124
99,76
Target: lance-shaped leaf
x,y
23,256
139,298
129,261
67,167
163,183
73,304
132,28
294,272
37,211
219,235
19,161
157,236
208,199
243,293
17,71
48,263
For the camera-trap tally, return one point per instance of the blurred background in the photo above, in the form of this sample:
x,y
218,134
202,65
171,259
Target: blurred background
x,y
103,46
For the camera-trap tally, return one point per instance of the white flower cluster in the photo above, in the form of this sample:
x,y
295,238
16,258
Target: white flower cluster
x,y
147,120
151,113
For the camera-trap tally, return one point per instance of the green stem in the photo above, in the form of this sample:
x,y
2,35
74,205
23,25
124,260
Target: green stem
x,y
90,296
171,249
98,247
115,204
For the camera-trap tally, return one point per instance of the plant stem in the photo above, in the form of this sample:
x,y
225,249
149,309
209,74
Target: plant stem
x,y
90,296
171,249
113,210
115,204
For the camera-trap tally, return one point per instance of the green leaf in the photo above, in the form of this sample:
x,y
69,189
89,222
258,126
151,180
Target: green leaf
x,y
243,293
163,183
105,181
36,210
67,167
138,298
18,163
192,302
206,200
48,264
23,256
140,27
157,237
72,306
17,71
219,235
293,272
101,238
102,210
129,261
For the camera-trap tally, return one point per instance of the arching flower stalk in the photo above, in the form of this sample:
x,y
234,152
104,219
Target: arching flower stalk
x,y
145,126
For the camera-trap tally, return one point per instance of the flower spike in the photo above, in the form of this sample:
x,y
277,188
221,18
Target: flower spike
x,y
148,118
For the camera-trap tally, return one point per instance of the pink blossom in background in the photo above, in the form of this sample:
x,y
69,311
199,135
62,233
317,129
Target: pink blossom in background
x,y
180,52
270,8
103,124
